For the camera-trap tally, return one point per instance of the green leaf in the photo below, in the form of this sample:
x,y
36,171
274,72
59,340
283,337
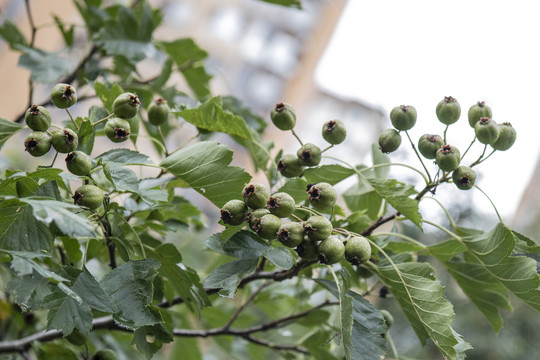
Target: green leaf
x,y
86,135
397,194
379,158
122,178
297,188
149,339
247,245
365,340
8,129
12,35
45,67
186,282
67,32
238,107
28,291
421,297
288,3
331,174
130,287
198,80
227,277
361,197
204,166
150,195
211,116
130,35
124,157
107,94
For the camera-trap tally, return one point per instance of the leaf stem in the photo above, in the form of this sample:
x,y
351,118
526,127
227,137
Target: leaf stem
x,y
470,145
419,157
452,223
328,148
403,236
102,120
297,138
444,134
392,345
479,160
163,140
72,120
492,204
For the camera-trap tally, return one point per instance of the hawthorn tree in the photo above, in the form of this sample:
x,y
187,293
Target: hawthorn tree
x,y
97,257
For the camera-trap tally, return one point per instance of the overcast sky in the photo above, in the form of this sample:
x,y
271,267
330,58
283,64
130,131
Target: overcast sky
x,y
394,52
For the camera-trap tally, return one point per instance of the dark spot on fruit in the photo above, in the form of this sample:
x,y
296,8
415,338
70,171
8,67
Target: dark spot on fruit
x,y
322,259
331,125
31,144
481,103
306,155
77,197
383,292
432,138
249,190
273,203
280,107
68,93
226,216
446,149
160,101
120,133
69,137
70,157
309,186
484,120
283,235
281,165
464,180
405,108
134,100
34,110
314,193
449,99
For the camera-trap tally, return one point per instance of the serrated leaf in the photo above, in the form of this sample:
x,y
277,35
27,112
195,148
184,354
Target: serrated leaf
x,y
122,178
124,157
28,291
361,197
86,136
378,158
422,299
45,67
211,116
397,194
204,166
107,94
331,174
8,129
149,339
247,245
12,35
227,277
130,287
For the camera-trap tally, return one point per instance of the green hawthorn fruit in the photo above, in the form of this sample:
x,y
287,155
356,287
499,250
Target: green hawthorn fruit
x,y
105,354
78,163
126,105
37,118
486,130
403,117
307,250
507,137
448,158
37,143
334,132
289,166
357,250
76,338
477,111
283,116
291,234
267,226
331,251
464,177
322,196
388,318
63,96
389,140
64,141
233,212
117,130
309,154
281,204
317,227
255,195
429,144
158,112
89,196
254,215
448,110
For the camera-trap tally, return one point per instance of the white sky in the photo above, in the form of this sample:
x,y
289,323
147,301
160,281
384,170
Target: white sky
x,y
393,52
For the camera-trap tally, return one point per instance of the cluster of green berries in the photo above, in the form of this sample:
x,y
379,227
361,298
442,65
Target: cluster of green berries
x,y
431,146
66,141
284,118
312,238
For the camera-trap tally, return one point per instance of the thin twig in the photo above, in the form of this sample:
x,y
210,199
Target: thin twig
x,y
244,305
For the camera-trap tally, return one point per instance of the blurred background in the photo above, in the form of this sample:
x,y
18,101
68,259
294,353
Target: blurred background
x,y
355,61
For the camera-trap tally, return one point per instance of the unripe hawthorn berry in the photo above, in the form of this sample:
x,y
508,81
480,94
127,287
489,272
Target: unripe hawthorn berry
x,y
63,96
309,154
158,112
254,215
403,117
448,158
429,144
477,111
357,250
388,318
331,251
334,132
464,177
233,212
486,130
64,141
289,166
283,116
281,204
255,195
78,163
389,140
126,105
117,130
322,196
307,250
507,137
37,118
317,227
105,354
448,110
37,143
267,226
89,196
291,234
